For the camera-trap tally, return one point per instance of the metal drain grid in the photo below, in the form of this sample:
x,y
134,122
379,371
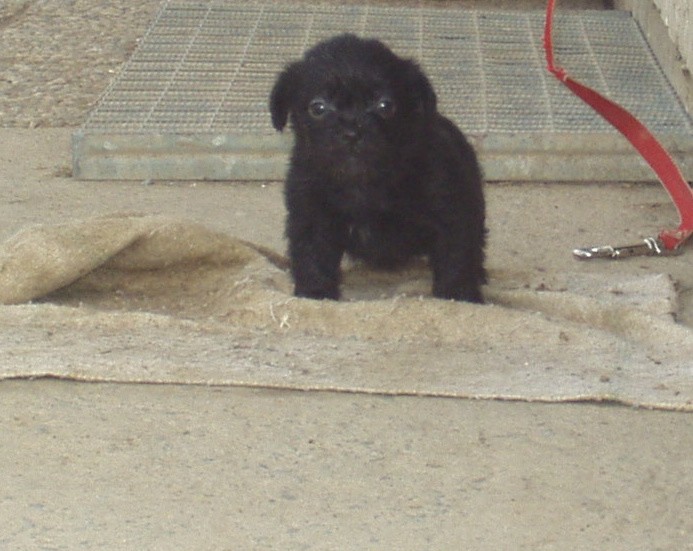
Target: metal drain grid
x,y
208,67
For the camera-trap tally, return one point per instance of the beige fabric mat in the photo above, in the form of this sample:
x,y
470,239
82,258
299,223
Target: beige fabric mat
x,y
148,299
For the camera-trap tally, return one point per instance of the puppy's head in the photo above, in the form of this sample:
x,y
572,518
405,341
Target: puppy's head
x,y
353,101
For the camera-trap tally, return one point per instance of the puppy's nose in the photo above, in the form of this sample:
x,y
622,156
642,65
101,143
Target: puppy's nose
x,y
351,135
351,131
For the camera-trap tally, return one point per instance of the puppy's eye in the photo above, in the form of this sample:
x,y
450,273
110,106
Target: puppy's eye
x,y
385,108
318,108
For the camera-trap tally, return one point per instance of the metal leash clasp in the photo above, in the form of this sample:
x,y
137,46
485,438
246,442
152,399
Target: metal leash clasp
x,y
650,246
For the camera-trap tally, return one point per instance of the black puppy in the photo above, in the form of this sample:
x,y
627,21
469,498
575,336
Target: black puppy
x,y
376,171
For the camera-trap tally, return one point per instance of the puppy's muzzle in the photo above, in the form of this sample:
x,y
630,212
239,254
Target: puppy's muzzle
x,y
351,132
351,136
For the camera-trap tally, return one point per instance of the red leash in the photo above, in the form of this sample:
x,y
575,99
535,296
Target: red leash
x,y
650,150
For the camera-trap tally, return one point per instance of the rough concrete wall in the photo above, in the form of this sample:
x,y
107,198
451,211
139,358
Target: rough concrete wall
x,y
678,17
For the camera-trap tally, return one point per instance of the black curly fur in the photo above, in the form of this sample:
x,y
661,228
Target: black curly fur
x,y
376,171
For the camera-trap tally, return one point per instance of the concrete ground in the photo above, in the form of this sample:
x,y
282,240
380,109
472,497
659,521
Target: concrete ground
x,y
91,466
105,466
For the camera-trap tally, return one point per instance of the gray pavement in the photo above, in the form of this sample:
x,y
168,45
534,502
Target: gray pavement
x,y
91,466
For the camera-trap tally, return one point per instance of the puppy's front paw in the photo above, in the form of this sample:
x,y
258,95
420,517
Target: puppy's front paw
x,y
465,292
316,293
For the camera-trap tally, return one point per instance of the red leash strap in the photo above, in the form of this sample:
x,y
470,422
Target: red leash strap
x,y
648,147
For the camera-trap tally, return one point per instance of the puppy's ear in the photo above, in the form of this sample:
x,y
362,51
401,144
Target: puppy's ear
x,y
283,95
421,89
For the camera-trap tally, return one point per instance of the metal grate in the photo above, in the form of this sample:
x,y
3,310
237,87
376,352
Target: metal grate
x,y
193,96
